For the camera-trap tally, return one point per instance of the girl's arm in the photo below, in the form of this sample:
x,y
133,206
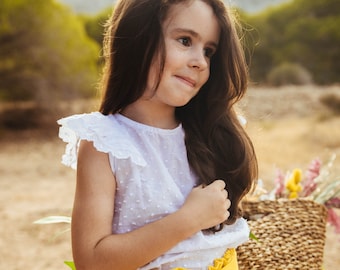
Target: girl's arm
x,y
95,247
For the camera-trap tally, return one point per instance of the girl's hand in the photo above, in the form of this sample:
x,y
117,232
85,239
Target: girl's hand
x,y
207,206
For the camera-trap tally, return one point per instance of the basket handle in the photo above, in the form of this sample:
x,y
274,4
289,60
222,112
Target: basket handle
x,y
256,211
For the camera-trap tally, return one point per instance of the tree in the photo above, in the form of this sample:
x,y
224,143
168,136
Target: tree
x,y
94,25
302,31
45,53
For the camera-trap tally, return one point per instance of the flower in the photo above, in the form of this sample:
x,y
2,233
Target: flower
x,y
333,202
293,184
280,186
313,172
334,219
316,183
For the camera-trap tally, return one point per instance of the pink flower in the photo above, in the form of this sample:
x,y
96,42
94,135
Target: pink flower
x,y
333,202
279,184
334,219
313,171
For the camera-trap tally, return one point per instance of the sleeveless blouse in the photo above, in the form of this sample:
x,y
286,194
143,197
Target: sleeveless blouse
x,y
153,180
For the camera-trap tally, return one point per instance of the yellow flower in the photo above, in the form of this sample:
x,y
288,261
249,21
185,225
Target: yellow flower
x,y
227,262
293,184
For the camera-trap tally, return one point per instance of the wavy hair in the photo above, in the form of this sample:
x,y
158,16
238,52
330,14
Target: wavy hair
x,y
217,145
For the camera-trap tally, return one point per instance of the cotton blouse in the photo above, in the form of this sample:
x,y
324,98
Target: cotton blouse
x,y
153,180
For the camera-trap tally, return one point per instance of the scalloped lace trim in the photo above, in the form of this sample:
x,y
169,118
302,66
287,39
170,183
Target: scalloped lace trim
x,y
102,131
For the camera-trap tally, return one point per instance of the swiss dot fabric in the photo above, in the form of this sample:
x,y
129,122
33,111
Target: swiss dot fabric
x,y
153,179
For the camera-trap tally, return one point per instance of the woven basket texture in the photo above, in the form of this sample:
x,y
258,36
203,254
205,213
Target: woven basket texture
x,y
291,235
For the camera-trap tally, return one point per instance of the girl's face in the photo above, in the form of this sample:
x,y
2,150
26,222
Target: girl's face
x,y
191,35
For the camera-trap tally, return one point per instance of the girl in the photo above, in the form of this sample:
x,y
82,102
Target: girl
x,y
162,167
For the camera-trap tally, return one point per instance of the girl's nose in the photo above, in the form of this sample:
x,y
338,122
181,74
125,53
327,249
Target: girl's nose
x,y
199,60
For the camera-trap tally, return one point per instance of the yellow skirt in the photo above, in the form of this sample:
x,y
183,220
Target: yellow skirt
x,y
227,262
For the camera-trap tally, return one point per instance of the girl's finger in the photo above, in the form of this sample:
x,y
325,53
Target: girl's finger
x,y
220,183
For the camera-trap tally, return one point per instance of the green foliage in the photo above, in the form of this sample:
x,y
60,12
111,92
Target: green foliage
x,y
289,74
253,237
71,265
45,53
301,31
94,25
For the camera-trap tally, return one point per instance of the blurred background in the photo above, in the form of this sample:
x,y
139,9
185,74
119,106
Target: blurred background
x,y
50,66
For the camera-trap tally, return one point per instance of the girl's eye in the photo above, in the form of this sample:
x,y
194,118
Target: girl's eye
x,y
209,52
185,41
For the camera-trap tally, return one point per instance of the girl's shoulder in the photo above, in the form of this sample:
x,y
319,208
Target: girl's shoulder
x,y
105,131
86,124
85,120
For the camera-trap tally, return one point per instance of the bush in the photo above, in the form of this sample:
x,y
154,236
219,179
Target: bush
x,y
289,74
45,53
301,31
21,119
332,102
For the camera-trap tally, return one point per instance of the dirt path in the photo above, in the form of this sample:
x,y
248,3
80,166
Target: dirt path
x,y
33,185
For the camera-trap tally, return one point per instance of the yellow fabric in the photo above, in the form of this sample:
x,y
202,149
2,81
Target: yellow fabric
x,y
227,262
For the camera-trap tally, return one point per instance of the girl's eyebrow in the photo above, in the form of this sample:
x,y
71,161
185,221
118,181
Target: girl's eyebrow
x,y
194,34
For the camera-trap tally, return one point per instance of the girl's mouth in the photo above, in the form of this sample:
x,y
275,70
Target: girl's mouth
x,y
187,80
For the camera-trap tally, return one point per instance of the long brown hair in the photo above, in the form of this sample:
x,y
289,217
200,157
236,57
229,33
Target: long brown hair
x,y
217,145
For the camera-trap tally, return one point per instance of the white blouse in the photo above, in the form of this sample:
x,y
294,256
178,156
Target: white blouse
x,y
153,180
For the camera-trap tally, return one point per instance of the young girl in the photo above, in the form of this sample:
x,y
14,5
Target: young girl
x,y
163,165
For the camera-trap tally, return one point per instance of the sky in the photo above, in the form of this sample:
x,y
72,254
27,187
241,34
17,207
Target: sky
x,y
93,7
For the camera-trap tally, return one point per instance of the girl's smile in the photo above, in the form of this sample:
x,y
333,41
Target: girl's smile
x,y
191,35
187,80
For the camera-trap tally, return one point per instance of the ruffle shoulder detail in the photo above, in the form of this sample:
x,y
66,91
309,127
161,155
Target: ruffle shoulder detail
x,y
106,133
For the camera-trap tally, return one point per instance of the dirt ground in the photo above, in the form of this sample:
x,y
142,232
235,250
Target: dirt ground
x,y
289,128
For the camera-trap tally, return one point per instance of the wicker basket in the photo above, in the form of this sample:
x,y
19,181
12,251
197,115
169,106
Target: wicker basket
x,y
291,235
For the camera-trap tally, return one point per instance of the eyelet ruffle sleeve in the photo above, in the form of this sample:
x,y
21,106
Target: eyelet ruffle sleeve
x,y
103,131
